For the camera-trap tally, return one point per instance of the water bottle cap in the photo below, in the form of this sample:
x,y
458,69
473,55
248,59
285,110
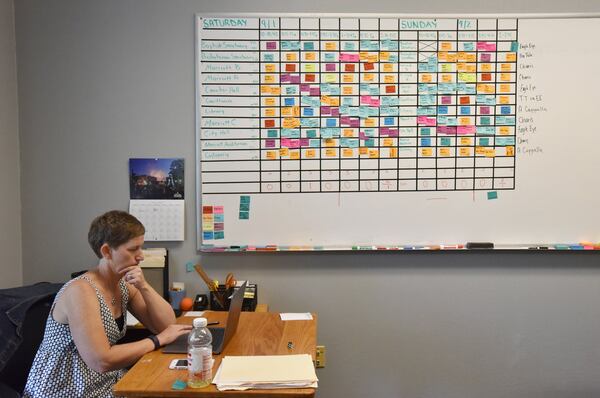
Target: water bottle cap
x,y
200,322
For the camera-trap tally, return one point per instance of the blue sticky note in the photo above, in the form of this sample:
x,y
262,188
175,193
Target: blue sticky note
x,y
370,142
492,195
388,121
309,46
289,101
189,266
207,235
465,110
514,46
505,110
244,215
331,122
426,141
349,46
179,385
291,90
308,111
425,131
443,110
219,234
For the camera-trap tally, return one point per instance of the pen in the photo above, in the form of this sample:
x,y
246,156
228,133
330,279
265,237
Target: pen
x,y
213,323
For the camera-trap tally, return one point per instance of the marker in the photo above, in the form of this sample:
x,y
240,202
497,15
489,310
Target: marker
x,y
538,248
450,247
480,245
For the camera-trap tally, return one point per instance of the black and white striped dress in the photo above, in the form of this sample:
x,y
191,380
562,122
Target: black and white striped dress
x,y
58,371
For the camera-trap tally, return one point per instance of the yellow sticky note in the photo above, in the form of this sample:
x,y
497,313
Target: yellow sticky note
x,y
363,150
445,78
445,46
271,155
368,77
485,67
330,152
504,130
329,78
490,153
471,57
269,78
465,151
310,68
425,78
270,112
370,122
444,151
310,56
510,151
388,142
504,88
348,133
388,67
464,121
291,57
270,68
447,68
348,78
329,142
505,77
373,153
284,152
347,90
389,79
504,99
325,100
347,152
295,155
511,57
465,141
506,67
393,152
310,153
330,46
426,151
384,55
269,101
479,150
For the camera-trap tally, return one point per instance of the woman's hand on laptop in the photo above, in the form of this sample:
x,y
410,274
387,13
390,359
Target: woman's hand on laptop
x,y
172,332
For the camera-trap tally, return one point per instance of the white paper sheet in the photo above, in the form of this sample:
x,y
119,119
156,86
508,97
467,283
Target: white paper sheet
x,y
296,316
164,220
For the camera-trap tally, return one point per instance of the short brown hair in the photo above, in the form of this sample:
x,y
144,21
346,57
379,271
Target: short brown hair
x,y
114,228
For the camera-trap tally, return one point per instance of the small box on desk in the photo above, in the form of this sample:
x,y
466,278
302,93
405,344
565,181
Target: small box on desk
x,y
250,298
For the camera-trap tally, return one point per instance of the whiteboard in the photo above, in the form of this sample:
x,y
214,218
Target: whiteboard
x,y
328,131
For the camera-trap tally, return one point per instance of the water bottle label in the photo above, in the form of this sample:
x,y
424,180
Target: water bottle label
x,y
200,362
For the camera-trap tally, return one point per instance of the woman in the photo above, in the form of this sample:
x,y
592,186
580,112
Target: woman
x,y
78,356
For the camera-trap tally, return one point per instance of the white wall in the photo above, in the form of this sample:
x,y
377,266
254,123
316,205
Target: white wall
x,y
11,270
103,81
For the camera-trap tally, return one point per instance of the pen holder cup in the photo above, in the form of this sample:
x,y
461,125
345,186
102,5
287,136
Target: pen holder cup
x,y
249,303
220,299
175,297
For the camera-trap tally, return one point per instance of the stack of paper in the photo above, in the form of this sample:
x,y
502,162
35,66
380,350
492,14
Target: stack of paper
x,y
265,372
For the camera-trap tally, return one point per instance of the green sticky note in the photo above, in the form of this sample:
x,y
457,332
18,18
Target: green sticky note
x,y
244,206
189,266
244,215
492,195
245,199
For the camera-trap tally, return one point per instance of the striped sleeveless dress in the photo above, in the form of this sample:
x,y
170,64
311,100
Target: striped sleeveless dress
x,y
58,371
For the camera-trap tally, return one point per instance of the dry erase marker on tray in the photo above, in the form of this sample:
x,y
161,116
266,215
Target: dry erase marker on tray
x,y
480,245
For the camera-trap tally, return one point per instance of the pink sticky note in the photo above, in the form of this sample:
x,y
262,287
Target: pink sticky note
x,y
285,143
270,143
330,67
375,101
446,100
485,57
271,45
365,99
484,110
218,209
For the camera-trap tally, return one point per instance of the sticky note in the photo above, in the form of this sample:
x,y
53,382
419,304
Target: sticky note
x,y
219,235
179,385
244,215
492,195
189,266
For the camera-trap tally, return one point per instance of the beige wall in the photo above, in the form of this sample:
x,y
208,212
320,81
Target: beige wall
x,y
11,270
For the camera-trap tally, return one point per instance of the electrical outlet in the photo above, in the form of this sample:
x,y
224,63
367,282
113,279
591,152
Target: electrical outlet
x,y
320,361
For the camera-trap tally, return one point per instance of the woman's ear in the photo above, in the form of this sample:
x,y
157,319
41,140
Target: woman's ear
x,y
106,251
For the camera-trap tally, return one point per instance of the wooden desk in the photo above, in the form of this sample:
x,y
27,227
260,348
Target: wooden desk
x,y
258,333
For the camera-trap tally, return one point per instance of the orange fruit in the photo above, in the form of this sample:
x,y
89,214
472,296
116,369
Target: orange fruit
x,y
186,304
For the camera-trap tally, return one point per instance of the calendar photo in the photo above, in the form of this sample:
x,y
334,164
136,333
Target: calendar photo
x,y
156,178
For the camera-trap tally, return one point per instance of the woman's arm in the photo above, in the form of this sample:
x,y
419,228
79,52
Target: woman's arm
x,y
145,303
83,314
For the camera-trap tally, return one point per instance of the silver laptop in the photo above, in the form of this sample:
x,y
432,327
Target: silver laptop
x,y
220,335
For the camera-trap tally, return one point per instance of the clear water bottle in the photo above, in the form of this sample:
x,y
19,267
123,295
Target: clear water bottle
x,y
200,355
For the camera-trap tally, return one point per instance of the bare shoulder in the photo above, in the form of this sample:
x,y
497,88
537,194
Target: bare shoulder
x,y
77,295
